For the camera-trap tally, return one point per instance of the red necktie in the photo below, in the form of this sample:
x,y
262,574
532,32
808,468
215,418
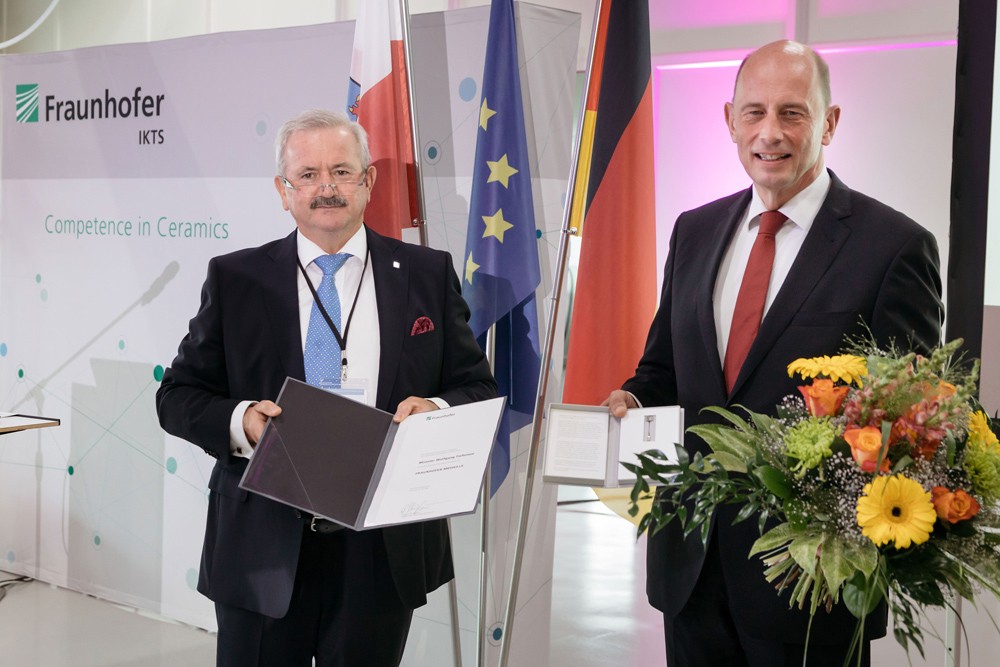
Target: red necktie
x,y
753,292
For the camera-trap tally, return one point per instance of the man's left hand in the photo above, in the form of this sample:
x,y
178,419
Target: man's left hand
x,y
411,406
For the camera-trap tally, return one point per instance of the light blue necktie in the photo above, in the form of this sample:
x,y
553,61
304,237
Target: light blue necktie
x,y
322,355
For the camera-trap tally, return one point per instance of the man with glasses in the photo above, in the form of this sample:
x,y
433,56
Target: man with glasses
x,y
341,307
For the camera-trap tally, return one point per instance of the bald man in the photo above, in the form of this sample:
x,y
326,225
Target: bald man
x,y
840,258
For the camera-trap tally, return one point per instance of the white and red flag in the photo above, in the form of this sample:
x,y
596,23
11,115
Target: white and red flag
x,y
378,97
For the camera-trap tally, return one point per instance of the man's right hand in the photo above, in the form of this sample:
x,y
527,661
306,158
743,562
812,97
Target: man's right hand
x,y
255,418
619,402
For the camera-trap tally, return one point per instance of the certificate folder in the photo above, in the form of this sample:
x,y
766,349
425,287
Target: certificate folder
x,y
585,445
350,463
12,423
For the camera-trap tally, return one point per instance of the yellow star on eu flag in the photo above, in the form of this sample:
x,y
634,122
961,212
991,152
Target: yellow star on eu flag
x,y
500,171
470,268
485,113
496,225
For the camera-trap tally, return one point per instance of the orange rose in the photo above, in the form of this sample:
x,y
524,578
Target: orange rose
x,y
866,447
823,398
953,506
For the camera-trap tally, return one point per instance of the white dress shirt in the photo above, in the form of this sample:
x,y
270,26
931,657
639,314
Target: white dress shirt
x,y
801,211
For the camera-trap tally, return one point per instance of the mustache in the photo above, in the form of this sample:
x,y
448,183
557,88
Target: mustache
x,y
333,200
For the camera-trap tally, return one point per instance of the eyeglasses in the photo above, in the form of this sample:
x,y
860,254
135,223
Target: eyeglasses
x,y
343,181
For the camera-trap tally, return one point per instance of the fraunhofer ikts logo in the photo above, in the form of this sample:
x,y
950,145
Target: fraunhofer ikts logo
x,y
26,101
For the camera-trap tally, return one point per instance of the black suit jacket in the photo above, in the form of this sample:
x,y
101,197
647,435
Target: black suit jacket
x,y
861,260
242,344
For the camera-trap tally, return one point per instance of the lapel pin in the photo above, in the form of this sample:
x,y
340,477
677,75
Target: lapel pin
x,y
395,265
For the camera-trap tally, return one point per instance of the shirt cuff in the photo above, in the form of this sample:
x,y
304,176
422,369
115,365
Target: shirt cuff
x,y
440,402
239,445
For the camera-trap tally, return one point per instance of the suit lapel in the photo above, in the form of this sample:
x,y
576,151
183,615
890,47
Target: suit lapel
x,y
390,294
706,290
281,305
821,246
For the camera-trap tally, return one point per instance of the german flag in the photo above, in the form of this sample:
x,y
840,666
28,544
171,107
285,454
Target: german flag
x,y
613,209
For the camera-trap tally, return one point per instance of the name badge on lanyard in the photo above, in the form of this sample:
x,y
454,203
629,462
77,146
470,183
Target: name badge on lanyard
x,y
353,388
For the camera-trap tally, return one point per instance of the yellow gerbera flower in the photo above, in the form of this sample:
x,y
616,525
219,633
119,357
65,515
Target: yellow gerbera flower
x,y
980,434
846,367
896,509
982,458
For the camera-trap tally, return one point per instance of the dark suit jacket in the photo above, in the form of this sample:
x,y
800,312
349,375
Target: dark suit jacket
x,y
242,344
860,261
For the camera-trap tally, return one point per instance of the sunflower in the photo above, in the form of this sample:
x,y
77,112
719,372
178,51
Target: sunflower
x,y
846,367
896,509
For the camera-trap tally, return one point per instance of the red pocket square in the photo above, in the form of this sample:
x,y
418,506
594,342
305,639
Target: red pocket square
x,y
422,325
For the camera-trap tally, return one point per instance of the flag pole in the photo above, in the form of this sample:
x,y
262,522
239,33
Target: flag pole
x,y
484,527
484,537
420,224
562,259
421,221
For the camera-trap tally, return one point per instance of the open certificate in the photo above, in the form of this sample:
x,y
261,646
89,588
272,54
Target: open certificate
x,y
345,461
585,445
436,465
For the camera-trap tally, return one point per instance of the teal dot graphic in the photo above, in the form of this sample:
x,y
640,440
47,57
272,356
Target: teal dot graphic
x,y
497,634
261,128
432,151
538,233
38,278
20,373
71,470
171,465
158,373
121,344
3,349
44,295
192,578
467,89
97,541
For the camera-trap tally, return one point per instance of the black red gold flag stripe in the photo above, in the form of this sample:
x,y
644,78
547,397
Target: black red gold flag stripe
x,y
614,208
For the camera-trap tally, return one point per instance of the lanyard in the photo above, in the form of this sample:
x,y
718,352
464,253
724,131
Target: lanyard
x,y
341,340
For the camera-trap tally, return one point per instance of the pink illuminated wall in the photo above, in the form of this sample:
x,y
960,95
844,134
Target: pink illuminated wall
x,y
714,13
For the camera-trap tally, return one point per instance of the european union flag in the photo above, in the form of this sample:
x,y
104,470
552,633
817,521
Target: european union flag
x,y
501,251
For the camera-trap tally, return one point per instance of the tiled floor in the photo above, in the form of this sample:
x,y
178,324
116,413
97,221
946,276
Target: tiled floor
x,y
604,621
599,614
45,626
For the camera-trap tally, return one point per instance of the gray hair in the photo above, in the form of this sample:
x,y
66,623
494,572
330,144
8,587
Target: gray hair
x,y
320,119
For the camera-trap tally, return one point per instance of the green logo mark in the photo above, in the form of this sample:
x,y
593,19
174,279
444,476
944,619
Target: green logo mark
x,y
27,102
